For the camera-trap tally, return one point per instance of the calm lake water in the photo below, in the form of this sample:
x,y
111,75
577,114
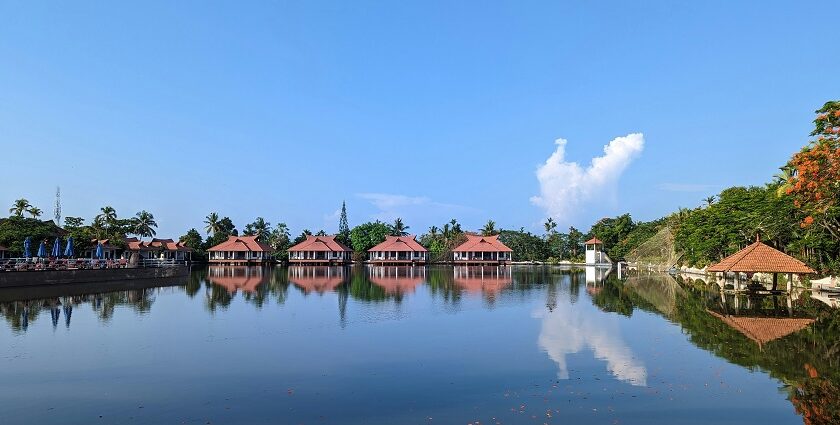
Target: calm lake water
x,y
436,345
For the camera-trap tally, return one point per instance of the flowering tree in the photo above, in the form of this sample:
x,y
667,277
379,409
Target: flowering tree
x,y
815,181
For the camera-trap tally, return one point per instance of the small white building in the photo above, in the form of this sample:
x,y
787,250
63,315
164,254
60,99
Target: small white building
x,y
595,252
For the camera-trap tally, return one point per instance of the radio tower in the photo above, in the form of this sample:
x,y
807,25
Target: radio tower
x,y
57,210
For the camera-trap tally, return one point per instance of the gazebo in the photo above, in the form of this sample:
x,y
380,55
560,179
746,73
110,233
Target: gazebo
x,y
761,258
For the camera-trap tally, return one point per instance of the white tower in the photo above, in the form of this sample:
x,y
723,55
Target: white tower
x,y
594,252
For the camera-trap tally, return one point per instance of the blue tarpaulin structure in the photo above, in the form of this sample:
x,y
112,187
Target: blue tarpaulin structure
x,y
68,250
98,253
56,251
27,247
42,250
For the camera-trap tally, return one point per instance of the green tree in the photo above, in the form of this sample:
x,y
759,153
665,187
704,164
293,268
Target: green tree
x,y
259,228
343,226
144,224
35,212
73,222
367,235
489,229
211,223
19,207
398,228
192,239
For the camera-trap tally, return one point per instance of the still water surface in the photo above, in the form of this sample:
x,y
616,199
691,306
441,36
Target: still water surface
x,y
437,345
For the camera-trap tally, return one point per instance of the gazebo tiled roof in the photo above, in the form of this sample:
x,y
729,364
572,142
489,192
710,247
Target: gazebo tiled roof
x,y
594,241
242,244
760,258
764,329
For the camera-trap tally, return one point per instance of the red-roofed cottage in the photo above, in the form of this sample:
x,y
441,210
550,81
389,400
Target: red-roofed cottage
x,y
482,250
320,250
399,250
166,249
241,250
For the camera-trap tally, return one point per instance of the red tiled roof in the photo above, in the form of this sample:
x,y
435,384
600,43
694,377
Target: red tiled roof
x,y
482,244
242,244
400,244
320,243
593,241
759,257
135,244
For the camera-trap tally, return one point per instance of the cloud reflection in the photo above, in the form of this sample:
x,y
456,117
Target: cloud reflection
x,y
568,330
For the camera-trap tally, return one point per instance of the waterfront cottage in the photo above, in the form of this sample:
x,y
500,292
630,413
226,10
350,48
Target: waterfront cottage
x,y
320,250
482,250
241,250
398,250
166,249
109,250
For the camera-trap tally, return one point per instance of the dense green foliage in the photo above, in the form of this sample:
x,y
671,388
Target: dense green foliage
x,y
367,235
15,229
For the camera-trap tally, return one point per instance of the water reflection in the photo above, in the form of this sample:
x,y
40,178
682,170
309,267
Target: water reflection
x,y
581,315
574,328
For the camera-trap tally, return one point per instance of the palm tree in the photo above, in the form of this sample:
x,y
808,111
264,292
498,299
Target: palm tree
x,y
108,216
489,228
34,211
784,179
709,201
399,228
260,228
212,224
456,227
145,224
433,230
19,207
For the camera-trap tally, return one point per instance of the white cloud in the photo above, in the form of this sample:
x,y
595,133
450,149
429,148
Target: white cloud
x,y
566,186
388,201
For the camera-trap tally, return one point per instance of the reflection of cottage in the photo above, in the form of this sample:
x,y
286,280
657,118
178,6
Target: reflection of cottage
x,y
397,280
482,279
595,252
482,250
318,279
235,278
241,250
166,249
320,250
398,250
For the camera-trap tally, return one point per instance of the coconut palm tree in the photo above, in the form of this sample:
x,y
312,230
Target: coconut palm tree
x,y
144,224
489,228
19,207
783,179
709,201
35,212
261,229
399,228
433,230
108,216
212,224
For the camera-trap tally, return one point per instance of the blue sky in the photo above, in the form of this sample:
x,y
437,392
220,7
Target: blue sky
x,y
426,110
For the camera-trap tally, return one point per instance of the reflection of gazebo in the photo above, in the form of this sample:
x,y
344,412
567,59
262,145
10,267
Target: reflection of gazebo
x,y
319,279
764,329
760,258
483,279
397,280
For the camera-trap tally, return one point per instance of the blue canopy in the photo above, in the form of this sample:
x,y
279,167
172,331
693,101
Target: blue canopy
x,y
98,253
56,251
68,250
42,249
27,247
